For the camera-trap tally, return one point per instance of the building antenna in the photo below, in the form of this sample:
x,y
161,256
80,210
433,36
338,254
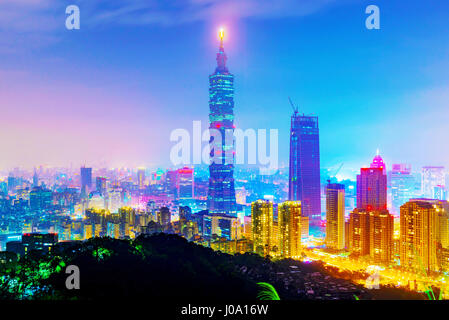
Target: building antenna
x,y
295,108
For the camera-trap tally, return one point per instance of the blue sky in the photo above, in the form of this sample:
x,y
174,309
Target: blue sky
x,y
136,70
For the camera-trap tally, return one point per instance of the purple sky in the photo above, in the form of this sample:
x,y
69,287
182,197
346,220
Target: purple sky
x,y
113,91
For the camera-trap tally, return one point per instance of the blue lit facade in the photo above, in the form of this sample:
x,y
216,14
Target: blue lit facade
x,y
304,174
221,195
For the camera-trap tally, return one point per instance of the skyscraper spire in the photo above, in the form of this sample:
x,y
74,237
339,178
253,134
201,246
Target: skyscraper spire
x,y
221,194
221,55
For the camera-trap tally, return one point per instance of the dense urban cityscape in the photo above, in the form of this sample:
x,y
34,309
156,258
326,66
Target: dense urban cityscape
x,y
389,227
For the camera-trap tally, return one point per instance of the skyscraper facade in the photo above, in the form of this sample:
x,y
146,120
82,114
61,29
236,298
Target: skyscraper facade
x,y
372,189
289,224
433,179
262,226
86,179
381,229
420,235
185,183
221,194
402,186
335,216
304,174
358,242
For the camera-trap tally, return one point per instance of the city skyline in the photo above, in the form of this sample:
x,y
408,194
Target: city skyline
x,y
122,116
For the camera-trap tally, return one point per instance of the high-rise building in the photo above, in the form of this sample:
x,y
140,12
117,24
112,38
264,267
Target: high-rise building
x,y
335,216
381,228
101,186
141,178
289,224
185,183
164,217
262,226
304,174
359,241
35,179
221,194
86,179
432,177
422,232
372,189
402,186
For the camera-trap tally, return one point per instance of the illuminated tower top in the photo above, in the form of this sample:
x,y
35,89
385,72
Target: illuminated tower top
x,y
221,55
378,162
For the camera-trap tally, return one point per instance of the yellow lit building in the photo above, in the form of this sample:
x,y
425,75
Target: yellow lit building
x,y
262,226
98,230
88,231
381,229
289,218
335,216
422,233
304,228
359,232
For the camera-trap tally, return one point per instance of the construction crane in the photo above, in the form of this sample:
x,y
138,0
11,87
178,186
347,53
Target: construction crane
x,y
338,170
295,108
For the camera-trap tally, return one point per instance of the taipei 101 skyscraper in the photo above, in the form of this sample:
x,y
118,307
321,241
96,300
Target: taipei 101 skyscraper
x,y
221,195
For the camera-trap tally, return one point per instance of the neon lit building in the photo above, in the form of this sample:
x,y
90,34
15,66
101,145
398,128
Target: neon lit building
x,y
335,216
372,189
378,162
304,174
185,184
221,194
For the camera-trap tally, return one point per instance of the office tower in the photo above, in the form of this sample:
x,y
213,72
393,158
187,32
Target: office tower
x,y
432,177
221,195
378,162
304,174
402,186
421,235
372,189
164,216
262,226
381,228
141,178
127,215
101,186
86,179
185,184
35,179
335,216
359,240
289,229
